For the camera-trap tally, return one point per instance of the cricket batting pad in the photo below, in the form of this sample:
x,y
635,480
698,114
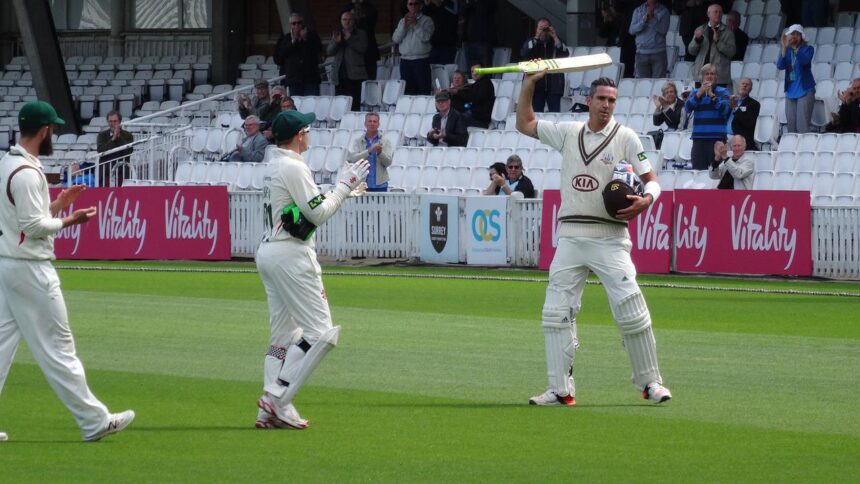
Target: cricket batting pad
x,y
634,321
299,364
559,330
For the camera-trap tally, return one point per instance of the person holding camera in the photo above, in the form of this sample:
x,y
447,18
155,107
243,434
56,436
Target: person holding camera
x,y
298,55
449,126
111,138
546,45
649,26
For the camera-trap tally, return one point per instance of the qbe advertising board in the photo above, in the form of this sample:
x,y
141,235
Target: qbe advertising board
x,y
486,230
439,239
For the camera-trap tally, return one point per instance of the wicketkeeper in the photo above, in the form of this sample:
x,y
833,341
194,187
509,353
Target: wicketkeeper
x,y
302,330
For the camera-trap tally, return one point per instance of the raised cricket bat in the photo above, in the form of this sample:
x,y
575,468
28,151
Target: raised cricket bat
x,y
552,66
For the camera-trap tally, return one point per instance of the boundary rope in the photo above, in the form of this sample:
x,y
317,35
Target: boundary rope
x,y
665,285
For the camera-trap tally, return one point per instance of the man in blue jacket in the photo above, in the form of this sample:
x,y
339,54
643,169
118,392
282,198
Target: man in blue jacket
x,y
709,105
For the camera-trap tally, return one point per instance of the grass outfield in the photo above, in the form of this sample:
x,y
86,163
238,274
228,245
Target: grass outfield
x,y
430,380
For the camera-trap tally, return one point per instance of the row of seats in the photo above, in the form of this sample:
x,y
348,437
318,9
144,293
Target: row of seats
x,y
236,175
21,62
829,142
825,188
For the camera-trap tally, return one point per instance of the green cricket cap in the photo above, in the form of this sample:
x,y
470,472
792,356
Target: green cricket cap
x,y
36,114
288,123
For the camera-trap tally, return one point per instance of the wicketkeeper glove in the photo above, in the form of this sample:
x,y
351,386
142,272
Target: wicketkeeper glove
x,y
359,190
352,174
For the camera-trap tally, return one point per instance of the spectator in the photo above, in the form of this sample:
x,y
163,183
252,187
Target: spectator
x,y
476,99
376,149
669,107
267,113
498,177
458,83
736,172
365,16
607,24
516,181
713,43
449,126
743,113
692,13
288,104
650,24
796,59
348,46
546,45
443,43
742,40
847,120
477,26
111,138
412,36
709,105
253,147
298,55
248,106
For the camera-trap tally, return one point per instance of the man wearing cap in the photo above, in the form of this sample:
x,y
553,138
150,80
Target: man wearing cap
x,y
31,303
449,126
301,328
256,104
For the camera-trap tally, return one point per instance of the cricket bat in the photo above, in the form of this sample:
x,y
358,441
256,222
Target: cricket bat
x,y
552,66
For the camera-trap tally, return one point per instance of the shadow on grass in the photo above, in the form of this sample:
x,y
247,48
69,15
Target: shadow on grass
x,y
493,406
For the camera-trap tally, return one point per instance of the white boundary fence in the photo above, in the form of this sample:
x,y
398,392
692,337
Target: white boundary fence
x,y
386,226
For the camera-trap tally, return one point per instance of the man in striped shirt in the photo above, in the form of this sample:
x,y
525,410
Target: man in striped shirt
x,y
709,105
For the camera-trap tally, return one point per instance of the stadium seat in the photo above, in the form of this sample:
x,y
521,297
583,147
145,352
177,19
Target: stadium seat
x,y
763,180
392,91
846,162
371,95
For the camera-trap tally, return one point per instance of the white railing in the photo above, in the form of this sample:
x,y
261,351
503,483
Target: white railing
x,y
836,242
386,226
152,158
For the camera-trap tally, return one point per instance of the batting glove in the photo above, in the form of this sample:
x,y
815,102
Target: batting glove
x,y
352,174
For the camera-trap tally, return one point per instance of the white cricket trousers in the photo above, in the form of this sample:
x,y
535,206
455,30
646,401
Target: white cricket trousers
x,y
32,306
608,257
293,281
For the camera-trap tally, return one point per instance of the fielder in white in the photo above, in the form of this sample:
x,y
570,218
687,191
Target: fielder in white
x,y
591,239
31,303
302,331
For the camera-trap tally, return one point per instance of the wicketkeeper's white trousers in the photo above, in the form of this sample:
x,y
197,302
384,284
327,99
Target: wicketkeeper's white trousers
x,y
32,306
294,289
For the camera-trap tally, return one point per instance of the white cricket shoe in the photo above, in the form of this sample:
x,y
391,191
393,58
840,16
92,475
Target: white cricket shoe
x,y
4,436
656,393
116,422
287,416
549,397
266,420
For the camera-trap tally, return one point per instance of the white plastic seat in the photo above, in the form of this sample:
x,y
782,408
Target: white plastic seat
x,y
434,156
763,180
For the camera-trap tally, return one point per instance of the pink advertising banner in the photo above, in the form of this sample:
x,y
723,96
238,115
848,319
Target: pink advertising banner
x,y
743,232
650,232
149,223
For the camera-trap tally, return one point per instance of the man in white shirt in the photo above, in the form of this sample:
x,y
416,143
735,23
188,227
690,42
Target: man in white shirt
x,y
412,37
736,172
591,239
31,303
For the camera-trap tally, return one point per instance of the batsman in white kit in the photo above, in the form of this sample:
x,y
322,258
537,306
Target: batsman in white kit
x,y
302,330
592,239
31,303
